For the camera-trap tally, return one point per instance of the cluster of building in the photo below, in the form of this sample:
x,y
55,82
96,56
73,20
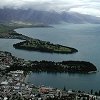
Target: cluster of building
x,y
6,58
14,87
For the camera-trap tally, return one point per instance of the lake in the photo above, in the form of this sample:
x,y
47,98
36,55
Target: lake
x,y
84,37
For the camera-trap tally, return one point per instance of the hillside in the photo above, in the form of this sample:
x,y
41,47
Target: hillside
x,y
46,17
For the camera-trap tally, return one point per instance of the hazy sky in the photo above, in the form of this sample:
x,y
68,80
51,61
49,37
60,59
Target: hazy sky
x,y
91,7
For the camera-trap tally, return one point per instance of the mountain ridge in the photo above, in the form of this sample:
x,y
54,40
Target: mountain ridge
x,y
46,17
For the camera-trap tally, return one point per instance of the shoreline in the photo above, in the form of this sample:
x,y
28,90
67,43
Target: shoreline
x,y
15,63
14,86
44,46
26,64
35,44
38,45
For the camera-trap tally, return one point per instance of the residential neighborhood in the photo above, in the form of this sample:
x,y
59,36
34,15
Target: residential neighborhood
x,y
14,87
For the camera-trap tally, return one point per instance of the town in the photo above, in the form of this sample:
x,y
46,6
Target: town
x,y
14,87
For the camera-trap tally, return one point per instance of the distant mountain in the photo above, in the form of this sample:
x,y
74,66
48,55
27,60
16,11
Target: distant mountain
x,y
46,17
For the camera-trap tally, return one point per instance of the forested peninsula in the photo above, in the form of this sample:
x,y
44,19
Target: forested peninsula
x,y
44,46
56,67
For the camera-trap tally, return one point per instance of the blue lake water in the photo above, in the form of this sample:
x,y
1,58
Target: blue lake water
x,y
84,37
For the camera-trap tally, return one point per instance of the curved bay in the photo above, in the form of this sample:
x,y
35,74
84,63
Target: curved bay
x,y
84,37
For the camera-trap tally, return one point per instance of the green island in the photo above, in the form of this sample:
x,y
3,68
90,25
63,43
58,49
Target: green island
x,y
44,46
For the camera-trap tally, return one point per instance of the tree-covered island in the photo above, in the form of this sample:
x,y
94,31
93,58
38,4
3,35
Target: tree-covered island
x,y
44,46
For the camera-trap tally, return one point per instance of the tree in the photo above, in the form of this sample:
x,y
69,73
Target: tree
x,y
96,93
99,92
91,91
64,88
